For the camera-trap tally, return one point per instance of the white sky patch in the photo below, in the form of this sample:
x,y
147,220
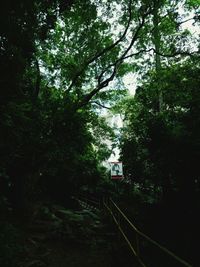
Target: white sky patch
x,y
115,155
189,25
116,122
130,82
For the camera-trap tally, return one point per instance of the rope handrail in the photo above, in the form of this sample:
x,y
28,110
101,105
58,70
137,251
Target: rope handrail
x,y
125,237
139,233
151,240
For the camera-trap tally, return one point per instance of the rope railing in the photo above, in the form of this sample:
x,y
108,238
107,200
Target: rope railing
x,y
136,254
139,233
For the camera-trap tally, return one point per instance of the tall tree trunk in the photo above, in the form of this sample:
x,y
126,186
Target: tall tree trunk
x,y
156,41
38,80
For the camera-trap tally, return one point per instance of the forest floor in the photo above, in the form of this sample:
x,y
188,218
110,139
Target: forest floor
x,y
60,254
59,237
76,236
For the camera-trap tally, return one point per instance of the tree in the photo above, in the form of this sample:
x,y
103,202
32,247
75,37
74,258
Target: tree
x,y
22,25
163,147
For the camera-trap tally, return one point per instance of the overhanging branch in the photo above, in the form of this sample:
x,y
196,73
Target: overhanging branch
x,y
104,82
104,51
101,105
176,53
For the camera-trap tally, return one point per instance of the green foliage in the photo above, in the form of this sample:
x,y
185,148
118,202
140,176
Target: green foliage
x,y
22,25
68,49
193,4
163,147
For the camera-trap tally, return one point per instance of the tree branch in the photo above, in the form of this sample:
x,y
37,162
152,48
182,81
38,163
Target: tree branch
x,y
184,21
139,52
105,50
101,105
177,53
101,84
